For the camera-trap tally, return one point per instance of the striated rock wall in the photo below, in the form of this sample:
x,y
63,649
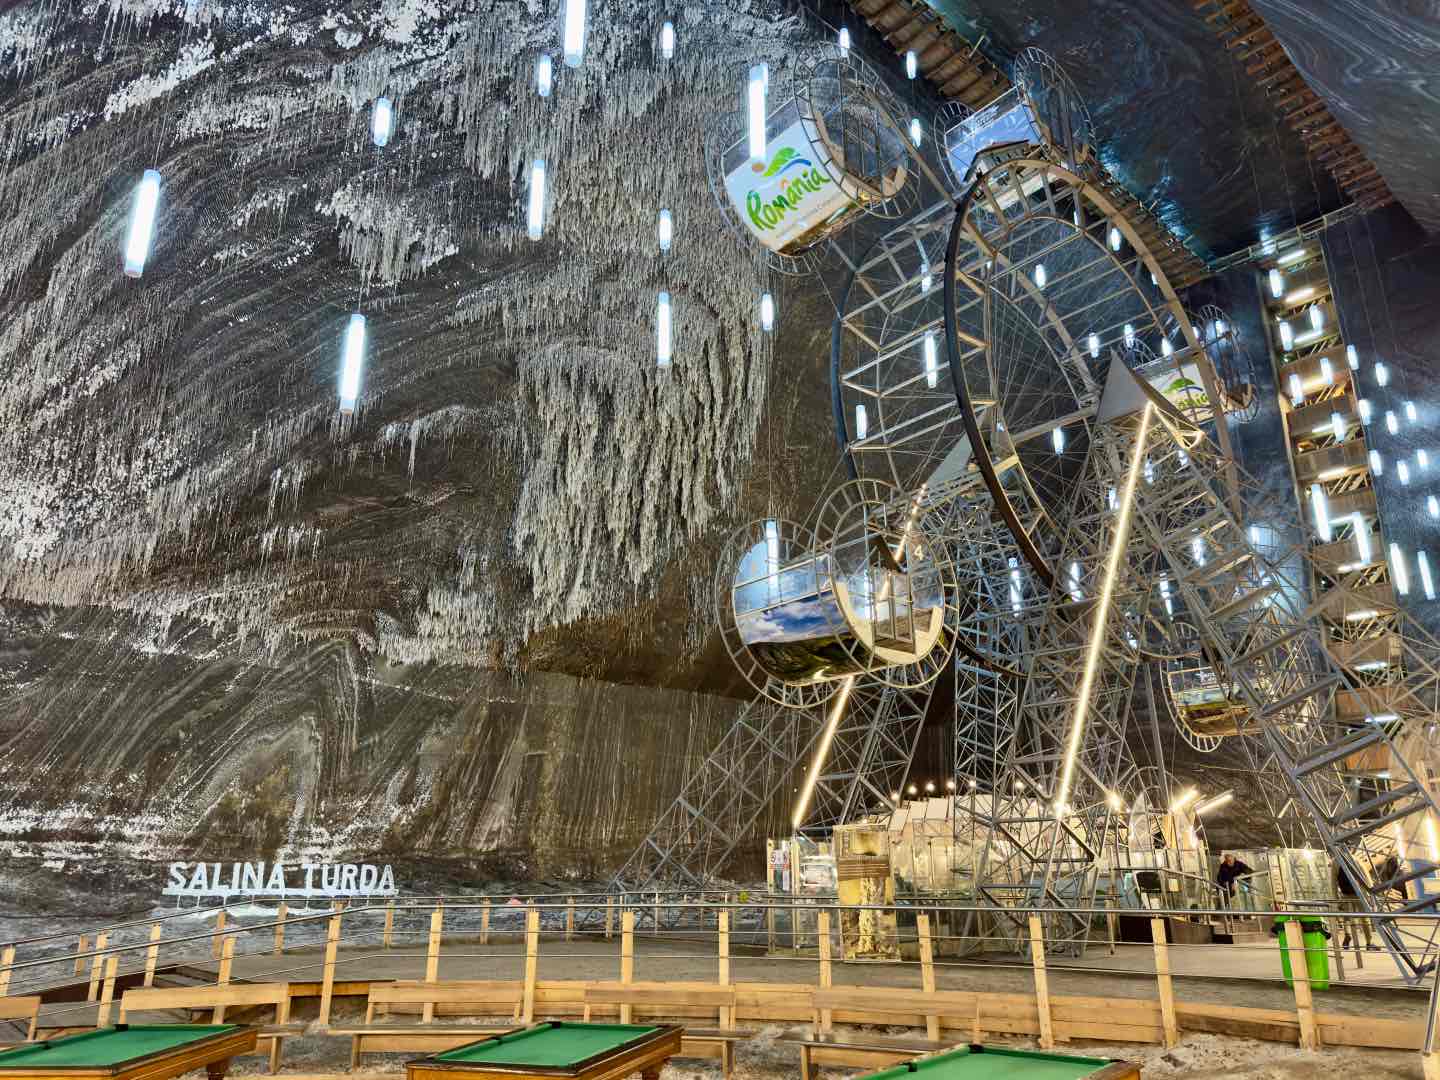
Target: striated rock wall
x,y
183,750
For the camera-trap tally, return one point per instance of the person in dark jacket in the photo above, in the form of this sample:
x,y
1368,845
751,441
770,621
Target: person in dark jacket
x,y
1231,868
1350,901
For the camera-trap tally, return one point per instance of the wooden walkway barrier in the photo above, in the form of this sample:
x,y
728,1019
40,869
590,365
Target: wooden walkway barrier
x,y
1162,978
227,961
97,966
389,938
1300,980
826,979
1042,983
107,991
81,947
7,962
217,938
327,985
432,958
927,973
280,913
532,961
152,953
627,957
722,934
485,923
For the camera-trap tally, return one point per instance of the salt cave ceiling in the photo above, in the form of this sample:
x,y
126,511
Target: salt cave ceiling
x,y
518,487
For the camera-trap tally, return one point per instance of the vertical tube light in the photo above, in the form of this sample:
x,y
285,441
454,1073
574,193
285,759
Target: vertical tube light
x,y
544,75
142,223
755,111
574,33
822,752
1425,579
932,361
1102,613
1399,571
352,363
662,331
665,230
535,213
382,121
1362,538
1320,507
667,40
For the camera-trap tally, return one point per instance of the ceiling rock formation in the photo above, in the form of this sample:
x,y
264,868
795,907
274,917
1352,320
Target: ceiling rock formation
x,y
170,447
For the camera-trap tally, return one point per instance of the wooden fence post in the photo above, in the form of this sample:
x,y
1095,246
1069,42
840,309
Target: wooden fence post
x,y
327,984
280,913
152,954
822,929
432,959
389,924
656,931
570,919
97,965
1042,985
609,917
1166,984
80,948
107,995
1300,979
1111,921
485,923
722,934
7,961
927,973
227,959
532,961
217,939
627,957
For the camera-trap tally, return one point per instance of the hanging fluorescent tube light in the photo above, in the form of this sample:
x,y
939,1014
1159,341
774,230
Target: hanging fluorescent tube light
x,y
1149,472
1327,372
665,230
915,130
1426,581
1402,470
1291,256
142,223
1297,391
382,119
1287,336
1398,570
1337,427
1114,238
822,752
755,111
1410,413
1076,593
1197,550
844,41
1320,506
574,33
1382,373
1213,803
1057,439
1391,424
1166,349
352,363
1184,800
662,331
1277,284
1361,529
912,64
1364,410
1432,505
1254,535
667,40
1377,463
1219,327
1352,357
1015,594
862,422
926,281
535,216
1317,317
1094,343
1300,295
932,361
1165,595
1040,276
1422,458
767,312
1129,336
544,75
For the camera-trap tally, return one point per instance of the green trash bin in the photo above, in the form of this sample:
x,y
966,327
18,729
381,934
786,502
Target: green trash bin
x,y
1317,957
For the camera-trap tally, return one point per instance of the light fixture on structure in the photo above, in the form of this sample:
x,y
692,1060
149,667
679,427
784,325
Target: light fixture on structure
x,y
1114,238
1402,470
1432,506
382,121
1410,413
1277,284
1287,336
1382,373
535,212
665,230
352,363
755,90
767,312
1297,390
932,361
862,422
1213,803
822,751
915,130
1361,528
844,41
663,331
667,40
544,75
1426,581
1057,439
1392,425
1320,507
1398,570
574,32
142,223
1094,344
1377,463
1337,426
912,64
1040,276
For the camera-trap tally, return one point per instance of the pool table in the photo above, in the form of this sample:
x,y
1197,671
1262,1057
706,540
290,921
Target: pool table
x,y
556,1048
131,1052
977,1062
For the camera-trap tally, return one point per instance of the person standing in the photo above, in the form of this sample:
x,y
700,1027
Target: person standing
x,y
1230,870
1350,901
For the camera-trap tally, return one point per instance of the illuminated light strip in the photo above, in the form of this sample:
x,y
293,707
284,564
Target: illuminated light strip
x,y
1102,611
821,753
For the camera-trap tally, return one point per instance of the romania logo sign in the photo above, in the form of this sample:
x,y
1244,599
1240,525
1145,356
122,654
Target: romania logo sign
x,y
768,212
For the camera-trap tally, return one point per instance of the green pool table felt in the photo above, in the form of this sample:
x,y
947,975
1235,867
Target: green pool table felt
x,y
109,1046
994,1064
558,1046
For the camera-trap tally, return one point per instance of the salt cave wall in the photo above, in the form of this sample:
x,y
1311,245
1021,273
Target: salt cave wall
x,y
181,750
